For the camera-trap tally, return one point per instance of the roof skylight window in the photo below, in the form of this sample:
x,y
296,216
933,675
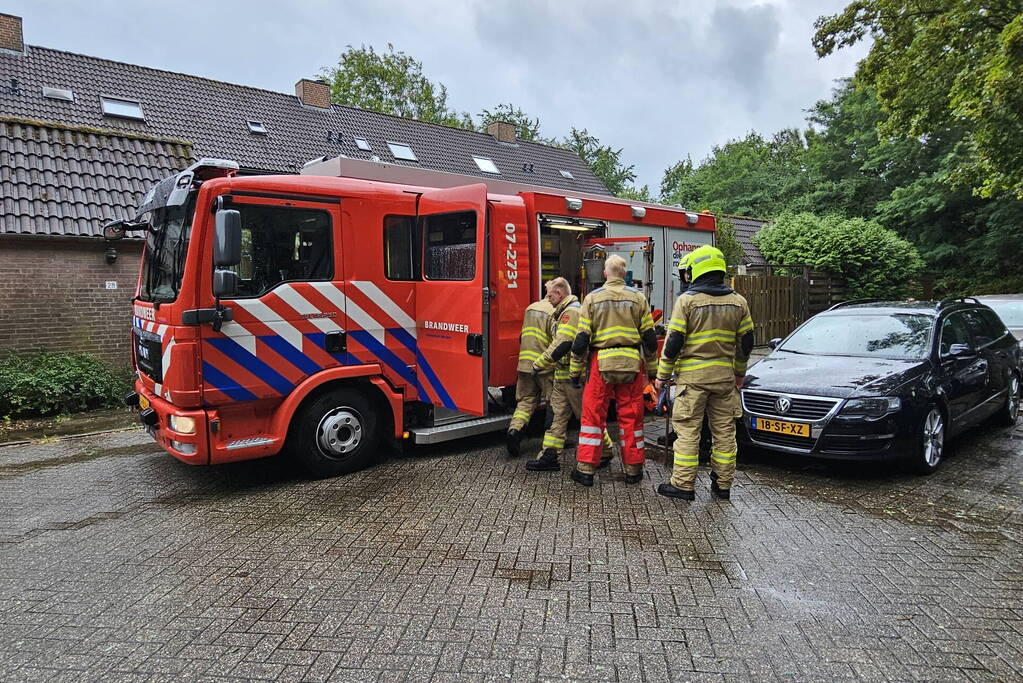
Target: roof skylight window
x,y
401,151
257,127
567,174
59,94
363,144
486,165
125,109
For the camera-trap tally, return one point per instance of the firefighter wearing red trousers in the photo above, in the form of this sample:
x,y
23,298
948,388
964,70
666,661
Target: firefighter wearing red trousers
x,y
531,386
616,338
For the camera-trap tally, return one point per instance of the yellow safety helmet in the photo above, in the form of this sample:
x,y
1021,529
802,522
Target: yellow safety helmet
x,y
683,262
705,260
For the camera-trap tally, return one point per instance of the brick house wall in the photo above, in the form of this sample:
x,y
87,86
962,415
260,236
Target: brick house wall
x,y
54,296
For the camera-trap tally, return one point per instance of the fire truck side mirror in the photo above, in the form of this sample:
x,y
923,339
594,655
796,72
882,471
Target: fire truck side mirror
x,y
227,243
225,283
114,230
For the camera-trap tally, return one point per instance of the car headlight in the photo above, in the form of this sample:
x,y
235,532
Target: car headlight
x,y
872,407
182,425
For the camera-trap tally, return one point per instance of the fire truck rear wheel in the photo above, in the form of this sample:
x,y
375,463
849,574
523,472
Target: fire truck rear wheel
x,y
336,434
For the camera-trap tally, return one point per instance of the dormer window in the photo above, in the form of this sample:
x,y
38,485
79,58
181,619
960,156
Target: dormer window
x,y
121,108
486,165
402,151
58,94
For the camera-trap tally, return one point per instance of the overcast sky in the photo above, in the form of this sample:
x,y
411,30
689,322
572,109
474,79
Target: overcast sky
x,y
661,79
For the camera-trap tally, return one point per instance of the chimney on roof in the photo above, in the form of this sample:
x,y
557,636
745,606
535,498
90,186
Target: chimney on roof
x,y
502,130
12,37
313,93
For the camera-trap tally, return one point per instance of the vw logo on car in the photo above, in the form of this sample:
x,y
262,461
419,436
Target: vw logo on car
x,y
782,405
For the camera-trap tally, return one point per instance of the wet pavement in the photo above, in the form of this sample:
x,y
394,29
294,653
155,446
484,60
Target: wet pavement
x,y
119,563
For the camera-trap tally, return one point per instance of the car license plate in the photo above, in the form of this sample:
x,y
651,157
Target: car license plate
x,y
780,426
143,403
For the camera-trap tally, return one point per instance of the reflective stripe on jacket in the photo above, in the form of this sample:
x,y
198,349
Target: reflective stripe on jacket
x,y
563,328
712,327
614,318
535,336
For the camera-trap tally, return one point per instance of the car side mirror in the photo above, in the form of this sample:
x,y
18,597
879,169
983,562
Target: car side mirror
x,y
227,243
773,344
225,283
960,351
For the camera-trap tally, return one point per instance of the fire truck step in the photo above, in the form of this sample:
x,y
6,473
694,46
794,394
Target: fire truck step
x,y
456,430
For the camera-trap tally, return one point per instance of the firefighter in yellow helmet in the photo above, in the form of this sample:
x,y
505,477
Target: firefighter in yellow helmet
x,y
531,386
565,399
710,337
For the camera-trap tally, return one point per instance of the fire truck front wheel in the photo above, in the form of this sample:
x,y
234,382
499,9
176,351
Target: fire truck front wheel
x,y
335,433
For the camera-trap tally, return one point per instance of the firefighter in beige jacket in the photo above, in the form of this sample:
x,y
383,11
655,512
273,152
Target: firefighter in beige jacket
x,y
616,333
531,387
710,337
565,399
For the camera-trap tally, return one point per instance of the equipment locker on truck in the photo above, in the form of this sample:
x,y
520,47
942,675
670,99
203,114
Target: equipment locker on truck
x,y
321,313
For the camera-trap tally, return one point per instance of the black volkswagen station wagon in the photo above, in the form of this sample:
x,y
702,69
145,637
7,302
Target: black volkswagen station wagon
x,y
895,380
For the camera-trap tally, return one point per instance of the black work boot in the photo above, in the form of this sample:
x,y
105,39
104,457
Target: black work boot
x,y
582,478
547,462
670,491
634,478
717,490
513,443
605,460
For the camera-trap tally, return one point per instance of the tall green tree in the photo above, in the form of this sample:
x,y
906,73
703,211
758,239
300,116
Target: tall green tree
x,y
526,127
605,162
940,64
390,82
752,176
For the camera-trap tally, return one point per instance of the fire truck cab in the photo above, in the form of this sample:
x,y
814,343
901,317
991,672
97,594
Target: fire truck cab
x,y
322,313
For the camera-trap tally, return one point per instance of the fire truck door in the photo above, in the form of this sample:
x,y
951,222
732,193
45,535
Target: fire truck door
x,y
288,316
451,343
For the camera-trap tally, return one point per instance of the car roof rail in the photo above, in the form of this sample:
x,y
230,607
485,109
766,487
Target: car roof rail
x,y
840,304
957,299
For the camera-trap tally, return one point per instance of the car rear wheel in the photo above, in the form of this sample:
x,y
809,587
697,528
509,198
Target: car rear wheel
x,y
930,442
1010,411
335,434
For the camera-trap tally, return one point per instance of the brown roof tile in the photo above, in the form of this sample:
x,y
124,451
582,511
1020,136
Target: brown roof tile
x,y
54,185
212,116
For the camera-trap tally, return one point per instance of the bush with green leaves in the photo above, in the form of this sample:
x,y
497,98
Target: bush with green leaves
x,y
57,383
875,262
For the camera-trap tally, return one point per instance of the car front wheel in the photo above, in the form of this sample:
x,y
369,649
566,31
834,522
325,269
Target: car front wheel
x,y
1010,411
930,441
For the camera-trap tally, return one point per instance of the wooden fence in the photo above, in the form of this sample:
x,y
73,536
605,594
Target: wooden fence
x,y
776,303
782,297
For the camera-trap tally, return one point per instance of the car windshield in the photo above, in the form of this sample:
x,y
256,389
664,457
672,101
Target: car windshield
x,y
876,335
166,244
1011,312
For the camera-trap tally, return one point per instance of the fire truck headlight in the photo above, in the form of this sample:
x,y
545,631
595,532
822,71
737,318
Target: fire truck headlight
x,y
182,425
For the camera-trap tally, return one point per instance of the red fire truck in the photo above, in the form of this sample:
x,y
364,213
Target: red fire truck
x,y
323,313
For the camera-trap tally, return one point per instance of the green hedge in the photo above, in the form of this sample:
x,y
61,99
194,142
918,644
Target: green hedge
x,y
58,383
875,261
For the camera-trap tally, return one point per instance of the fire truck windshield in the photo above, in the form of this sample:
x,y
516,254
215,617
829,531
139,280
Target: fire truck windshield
x,y
166,246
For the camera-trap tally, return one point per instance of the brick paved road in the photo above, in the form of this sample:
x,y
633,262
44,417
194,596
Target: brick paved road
x,y
117,562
